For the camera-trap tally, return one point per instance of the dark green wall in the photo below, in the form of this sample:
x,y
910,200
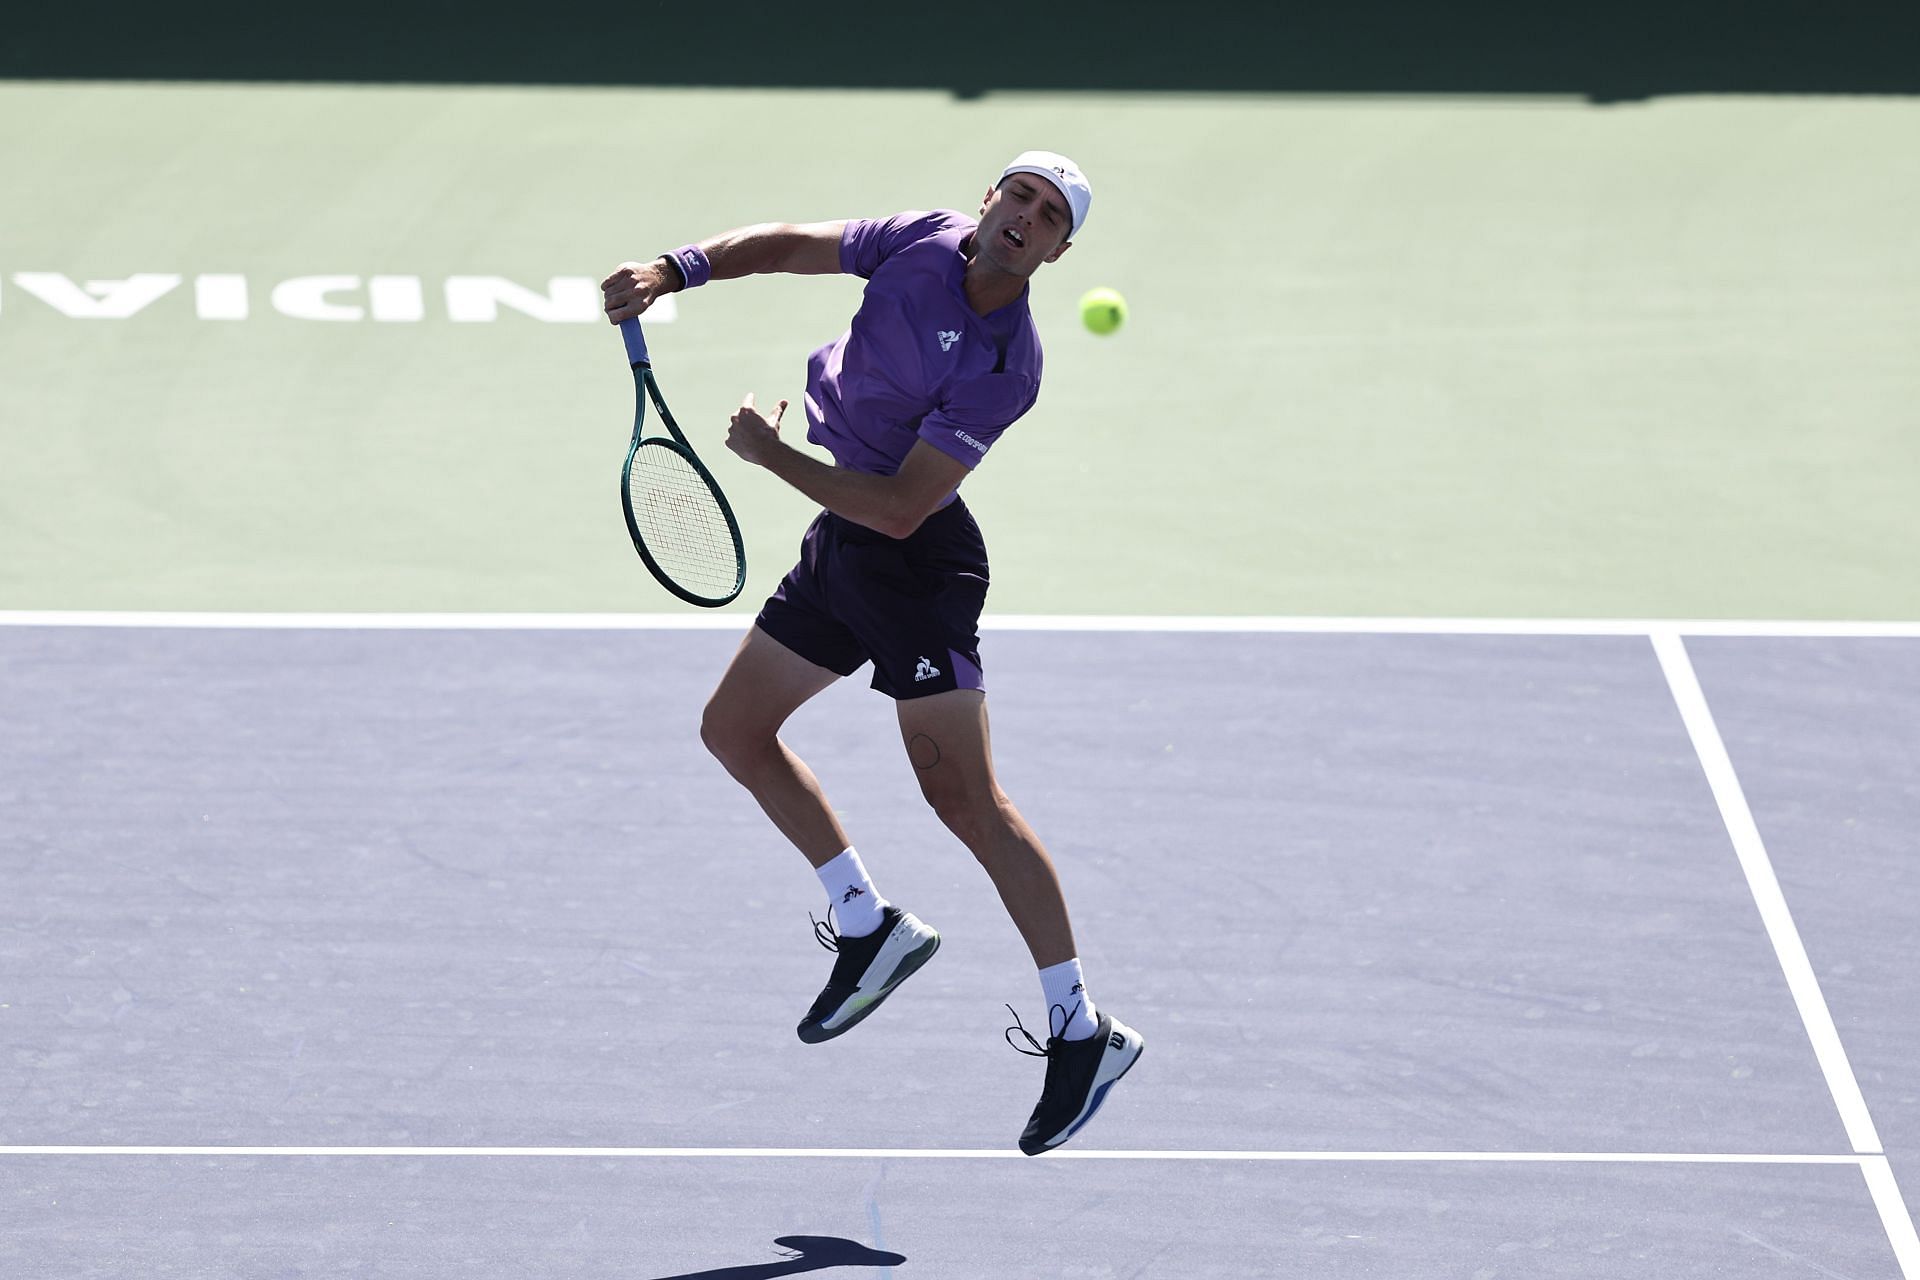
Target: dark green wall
x,y
1614,52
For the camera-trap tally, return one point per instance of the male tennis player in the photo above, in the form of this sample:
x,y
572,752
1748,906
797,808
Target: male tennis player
x,y
941,358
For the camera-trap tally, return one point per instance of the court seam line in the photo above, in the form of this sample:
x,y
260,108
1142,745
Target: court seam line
x,y
1303,625
1789,950
943,1153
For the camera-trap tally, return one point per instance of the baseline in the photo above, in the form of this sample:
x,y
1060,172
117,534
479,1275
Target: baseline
x,y
730,621
959,1153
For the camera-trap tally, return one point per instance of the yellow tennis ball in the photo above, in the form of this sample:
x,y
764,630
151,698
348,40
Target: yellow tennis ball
x,y
1102,310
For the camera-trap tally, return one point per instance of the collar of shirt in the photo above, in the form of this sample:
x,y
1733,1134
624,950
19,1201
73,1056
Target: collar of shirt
x,y
1001,322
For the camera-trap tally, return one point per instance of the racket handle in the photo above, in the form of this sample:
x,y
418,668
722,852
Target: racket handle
x,y
636,342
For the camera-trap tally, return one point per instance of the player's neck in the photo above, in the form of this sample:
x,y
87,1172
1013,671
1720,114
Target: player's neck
x,y
989,289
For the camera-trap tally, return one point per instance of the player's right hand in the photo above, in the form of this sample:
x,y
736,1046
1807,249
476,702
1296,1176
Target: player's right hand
x,y
752,434
635,286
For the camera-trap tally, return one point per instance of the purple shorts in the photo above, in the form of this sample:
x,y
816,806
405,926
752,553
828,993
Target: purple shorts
x,y
911,606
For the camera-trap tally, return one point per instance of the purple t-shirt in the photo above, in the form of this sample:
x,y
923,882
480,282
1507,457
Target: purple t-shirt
x,y
918,364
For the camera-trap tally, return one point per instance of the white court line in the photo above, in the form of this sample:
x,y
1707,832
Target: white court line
x,y
738,621
1767,895
381,621
939,1153
1792,953
1893,1214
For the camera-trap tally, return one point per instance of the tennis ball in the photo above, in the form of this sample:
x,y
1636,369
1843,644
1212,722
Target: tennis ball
x,y
1102,310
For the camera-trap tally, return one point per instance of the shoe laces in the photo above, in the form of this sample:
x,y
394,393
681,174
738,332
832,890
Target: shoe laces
x,y
823,931
1065,1014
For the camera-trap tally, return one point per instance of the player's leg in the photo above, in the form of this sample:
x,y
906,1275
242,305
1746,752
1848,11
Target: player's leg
x,y
914,604
949,745
764,685
877,946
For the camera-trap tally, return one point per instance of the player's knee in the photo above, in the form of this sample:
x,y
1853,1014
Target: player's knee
x,y
725,738
969,813
711,737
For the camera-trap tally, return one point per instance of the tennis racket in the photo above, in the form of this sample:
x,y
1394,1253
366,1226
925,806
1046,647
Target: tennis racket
x,y
680,521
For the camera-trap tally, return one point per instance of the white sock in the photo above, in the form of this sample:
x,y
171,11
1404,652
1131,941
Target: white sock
x,y
1064,986
856,903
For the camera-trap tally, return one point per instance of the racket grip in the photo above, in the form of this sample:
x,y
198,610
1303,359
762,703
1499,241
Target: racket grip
x,y
636,342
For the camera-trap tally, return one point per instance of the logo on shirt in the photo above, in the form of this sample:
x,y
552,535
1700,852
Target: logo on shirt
x,y
925,671
947,338
970,440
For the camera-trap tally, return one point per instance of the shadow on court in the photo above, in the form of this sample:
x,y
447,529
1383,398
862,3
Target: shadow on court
x,y
808,1253
1620,51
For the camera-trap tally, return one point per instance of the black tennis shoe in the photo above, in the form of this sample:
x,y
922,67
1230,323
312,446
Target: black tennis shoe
x,y
866,970
1079,1074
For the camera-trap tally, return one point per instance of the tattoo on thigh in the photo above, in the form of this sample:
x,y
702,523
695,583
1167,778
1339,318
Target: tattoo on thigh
x,y
923,751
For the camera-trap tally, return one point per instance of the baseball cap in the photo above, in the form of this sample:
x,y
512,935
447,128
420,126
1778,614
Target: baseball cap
x,y
1062,173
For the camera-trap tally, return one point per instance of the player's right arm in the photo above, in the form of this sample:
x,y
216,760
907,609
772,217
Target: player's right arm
x,y
796,248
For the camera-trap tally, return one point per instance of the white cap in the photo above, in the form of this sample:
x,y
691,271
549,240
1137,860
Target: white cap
x,y
1062,173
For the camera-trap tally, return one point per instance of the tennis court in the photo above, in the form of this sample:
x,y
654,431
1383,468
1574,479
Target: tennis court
x,y
1459,643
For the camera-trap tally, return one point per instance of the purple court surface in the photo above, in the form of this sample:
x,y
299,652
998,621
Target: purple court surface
x,y
408,952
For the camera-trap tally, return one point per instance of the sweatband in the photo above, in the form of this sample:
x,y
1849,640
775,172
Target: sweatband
x,y
692,264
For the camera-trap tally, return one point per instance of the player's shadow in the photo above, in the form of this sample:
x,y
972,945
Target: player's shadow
x,y
808,1253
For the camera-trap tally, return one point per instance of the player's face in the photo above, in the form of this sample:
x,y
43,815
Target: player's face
x,y
1024,222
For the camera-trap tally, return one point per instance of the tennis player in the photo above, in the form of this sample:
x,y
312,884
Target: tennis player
x,y
941,358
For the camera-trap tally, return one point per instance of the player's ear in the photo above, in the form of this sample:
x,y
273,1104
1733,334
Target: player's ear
x,y
1055,255
987,199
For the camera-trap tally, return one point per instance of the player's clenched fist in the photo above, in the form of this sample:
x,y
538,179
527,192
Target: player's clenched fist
x,y
752,434
635,286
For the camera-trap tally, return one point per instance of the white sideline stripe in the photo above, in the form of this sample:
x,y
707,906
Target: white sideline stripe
x,y
1893,1214
936,1153
1792,953
383,621
739,621
1740,628
1752,852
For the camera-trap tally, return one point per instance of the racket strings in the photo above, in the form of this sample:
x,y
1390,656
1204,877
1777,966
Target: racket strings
x,y
682,523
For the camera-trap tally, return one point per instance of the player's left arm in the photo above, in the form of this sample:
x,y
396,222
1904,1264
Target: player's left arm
x,y
894,505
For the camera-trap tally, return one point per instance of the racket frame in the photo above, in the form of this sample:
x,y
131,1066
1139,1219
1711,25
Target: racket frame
x,y
645,389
